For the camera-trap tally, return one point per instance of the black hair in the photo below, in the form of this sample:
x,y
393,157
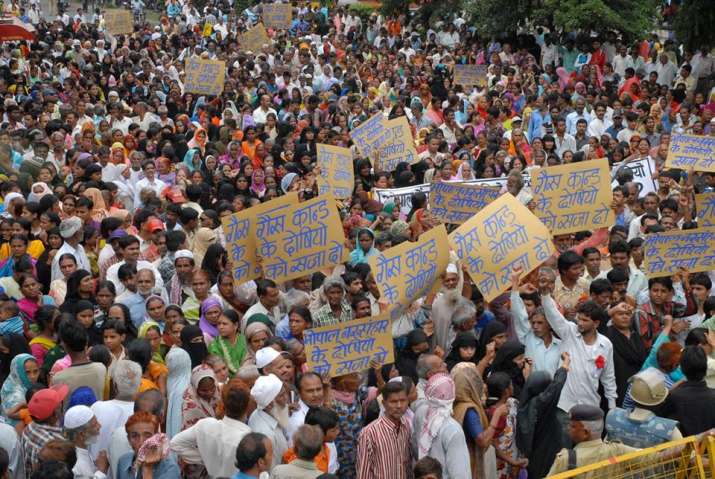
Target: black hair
x,y
45,316
590,250
251,448
709,306
108,225
188,214
126,271
128,240
619,246
592,310
236,402
323,417
600,286
696,337
52,470
428,466
701,279
74,336
617,275
99,353
393,387
139,351
664,281
497,383
694,363
174,240
118,326
263,285
568,259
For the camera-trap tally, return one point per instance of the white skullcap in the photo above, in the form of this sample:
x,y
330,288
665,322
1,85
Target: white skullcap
x,y
183,253
78,416
265,390
452,268
266,356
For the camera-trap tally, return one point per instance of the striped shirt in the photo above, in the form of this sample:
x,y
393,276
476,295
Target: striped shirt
x,y
34,438
383,450
325,316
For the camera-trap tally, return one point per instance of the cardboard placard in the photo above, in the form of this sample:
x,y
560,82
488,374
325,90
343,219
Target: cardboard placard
x,y
277,15
454,202
470,75
686,151
336,171
204,77
253,40
667,252
705,206
119,22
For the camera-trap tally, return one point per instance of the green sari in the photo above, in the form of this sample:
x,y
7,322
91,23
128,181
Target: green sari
x,y
232,354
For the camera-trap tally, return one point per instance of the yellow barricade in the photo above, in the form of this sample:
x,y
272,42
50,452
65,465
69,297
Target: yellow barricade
x,y
671,460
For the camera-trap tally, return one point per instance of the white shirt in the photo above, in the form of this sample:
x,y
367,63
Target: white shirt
x,y
258,308
545,358
619,65
211,442
10,442
582,382
637,281
79,255
568,142
297,419
666,73
113,275
259,115
157,186
264,423
598,127
84,468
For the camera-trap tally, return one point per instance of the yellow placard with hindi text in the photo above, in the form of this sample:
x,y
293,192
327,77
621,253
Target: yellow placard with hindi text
x,y
119,22
397,147
204,77
277,15
349,347
370,135
470,75
411,269
705,206
574,197
503,235
668,252
241,243
337,177
455,202
253,40
686,151
297,239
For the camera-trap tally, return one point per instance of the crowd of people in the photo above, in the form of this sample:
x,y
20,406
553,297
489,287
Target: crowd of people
x,y
128,350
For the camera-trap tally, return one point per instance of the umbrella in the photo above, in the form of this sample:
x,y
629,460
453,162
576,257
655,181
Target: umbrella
x,y
11,29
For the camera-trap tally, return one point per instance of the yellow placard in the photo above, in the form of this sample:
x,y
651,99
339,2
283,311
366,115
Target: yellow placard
x,y
694,151
204,77
277,15
410,270
470,75
253,40
297,239
208,29
349,347
667,252
370,135
119,22
241,243
574,197
336,171
455,202
504,235
705,206
398,146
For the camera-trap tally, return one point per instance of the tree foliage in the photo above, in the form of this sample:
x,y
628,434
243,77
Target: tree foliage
x,y
634,18
694,23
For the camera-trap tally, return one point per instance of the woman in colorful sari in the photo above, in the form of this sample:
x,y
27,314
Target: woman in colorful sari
x,y
229,344
209,315
99,208
199,141
33,298
192,160
23,374
201,397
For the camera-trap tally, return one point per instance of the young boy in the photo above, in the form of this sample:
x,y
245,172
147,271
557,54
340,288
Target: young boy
x,y
327,419
10,320
114,333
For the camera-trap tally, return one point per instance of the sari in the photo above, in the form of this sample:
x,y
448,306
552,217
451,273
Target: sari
x,y
232,354
15,386
179,363
99,208
193,407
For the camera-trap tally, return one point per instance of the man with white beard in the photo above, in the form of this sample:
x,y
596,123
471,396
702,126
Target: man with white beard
x,y
272,416
445,305
82,428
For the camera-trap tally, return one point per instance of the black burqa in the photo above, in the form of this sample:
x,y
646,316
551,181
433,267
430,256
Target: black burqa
x,y
192,341
464,339
538,432
629,354
406,361
504,363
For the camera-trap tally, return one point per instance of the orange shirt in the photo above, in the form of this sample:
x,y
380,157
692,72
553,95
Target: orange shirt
x,y
321,460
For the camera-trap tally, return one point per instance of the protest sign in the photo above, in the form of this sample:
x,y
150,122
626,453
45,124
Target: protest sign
x,y
370,135
574,197
295,239
241,242
204,77
401,197
336,171
470,75
118,22
667,252
453,202
694,151
398,147
705,206
642,175
253,40
504,235
409,270
277,15
349,347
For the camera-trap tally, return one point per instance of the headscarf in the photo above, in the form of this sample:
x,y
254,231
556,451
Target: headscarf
x,y
146,326
204,238
504,362
463,339
197,142
468,391
251,330
179,363
493,328
358,255
258,188
16,385
206,327
188,159
197,351
36,197
99,208
287,180
536,384
194,407
439,395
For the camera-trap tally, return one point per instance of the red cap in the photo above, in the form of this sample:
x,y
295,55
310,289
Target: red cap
x,y
155,225
175,195
46,401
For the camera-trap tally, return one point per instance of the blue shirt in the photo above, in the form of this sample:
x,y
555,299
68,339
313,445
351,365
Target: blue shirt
x,y
243,475
166,469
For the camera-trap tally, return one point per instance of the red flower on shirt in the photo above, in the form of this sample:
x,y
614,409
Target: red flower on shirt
x,y
600,362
